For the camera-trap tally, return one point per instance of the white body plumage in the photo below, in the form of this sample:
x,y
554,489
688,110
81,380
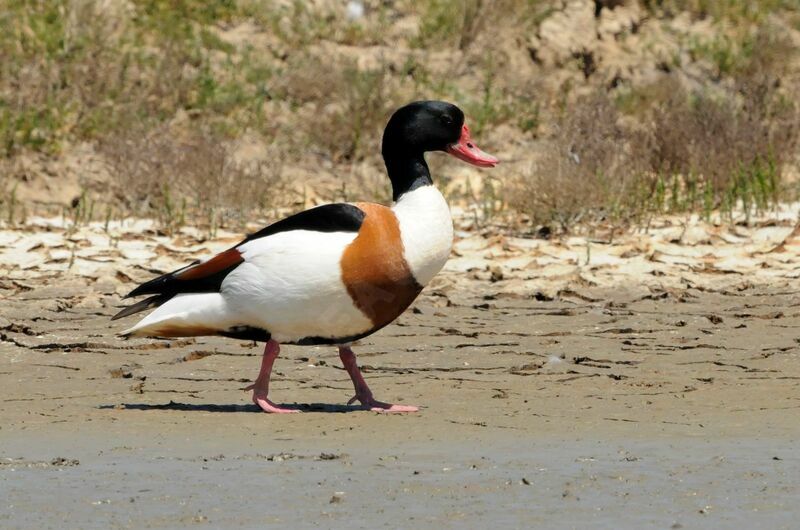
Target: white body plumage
x,y
290,283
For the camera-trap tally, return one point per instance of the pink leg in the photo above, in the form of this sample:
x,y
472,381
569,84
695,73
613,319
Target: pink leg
x,y
363,393
261,387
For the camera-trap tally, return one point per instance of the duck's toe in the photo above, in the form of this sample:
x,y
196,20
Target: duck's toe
x,y
370,403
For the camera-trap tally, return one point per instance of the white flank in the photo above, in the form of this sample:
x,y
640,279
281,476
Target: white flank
x,y
426,228
291,285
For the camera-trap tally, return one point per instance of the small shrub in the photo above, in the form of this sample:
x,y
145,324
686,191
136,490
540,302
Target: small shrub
x,y
697,151
174,177
589,170
725,53
352,106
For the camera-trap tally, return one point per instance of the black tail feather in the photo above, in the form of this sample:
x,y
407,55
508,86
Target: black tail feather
x,y
147,303
157,285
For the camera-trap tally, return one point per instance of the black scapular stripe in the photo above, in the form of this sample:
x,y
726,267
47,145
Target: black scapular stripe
x,y
339,217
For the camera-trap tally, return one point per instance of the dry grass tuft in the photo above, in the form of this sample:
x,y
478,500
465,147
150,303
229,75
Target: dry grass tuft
x,y
695,152
589,169
675,146
192,176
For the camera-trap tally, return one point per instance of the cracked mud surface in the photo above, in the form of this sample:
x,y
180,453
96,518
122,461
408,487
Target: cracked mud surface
x,y
636,401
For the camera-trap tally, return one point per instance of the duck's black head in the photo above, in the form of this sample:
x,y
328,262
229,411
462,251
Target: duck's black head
x,y
425,126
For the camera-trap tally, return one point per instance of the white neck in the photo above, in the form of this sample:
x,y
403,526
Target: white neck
x,y
426,229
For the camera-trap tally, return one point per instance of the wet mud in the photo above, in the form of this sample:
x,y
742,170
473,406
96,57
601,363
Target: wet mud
x,y
649,400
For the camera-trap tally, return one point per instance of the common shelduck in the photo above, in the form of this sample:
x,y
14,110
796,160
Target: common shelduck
x,y
332,274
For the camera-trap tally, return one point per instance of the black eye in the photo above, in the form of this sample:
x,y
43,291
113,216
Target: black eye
x,y
447,120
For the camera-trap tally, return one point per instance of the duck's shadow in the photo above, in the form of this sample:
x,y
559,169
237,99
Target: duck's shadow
x,y
210,407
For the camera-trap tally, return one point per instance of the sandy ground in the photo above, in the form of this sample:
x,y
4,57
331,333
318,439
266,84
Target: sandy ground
x,y
648,382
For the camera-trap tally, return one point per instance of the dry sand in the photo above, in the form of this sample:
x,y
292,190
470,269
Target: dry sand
x,y
652,382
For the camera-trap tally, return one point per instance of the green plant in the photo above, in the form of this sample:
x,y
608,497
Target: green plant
x,y
11,205
728,55
459,23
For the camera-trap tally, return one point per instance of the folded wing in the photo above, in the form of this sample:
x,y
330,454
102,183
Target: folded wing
x,y
207,276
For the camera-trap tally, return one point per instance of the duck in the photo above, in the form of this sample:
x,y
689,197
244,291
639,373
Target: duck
x,y
329,275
